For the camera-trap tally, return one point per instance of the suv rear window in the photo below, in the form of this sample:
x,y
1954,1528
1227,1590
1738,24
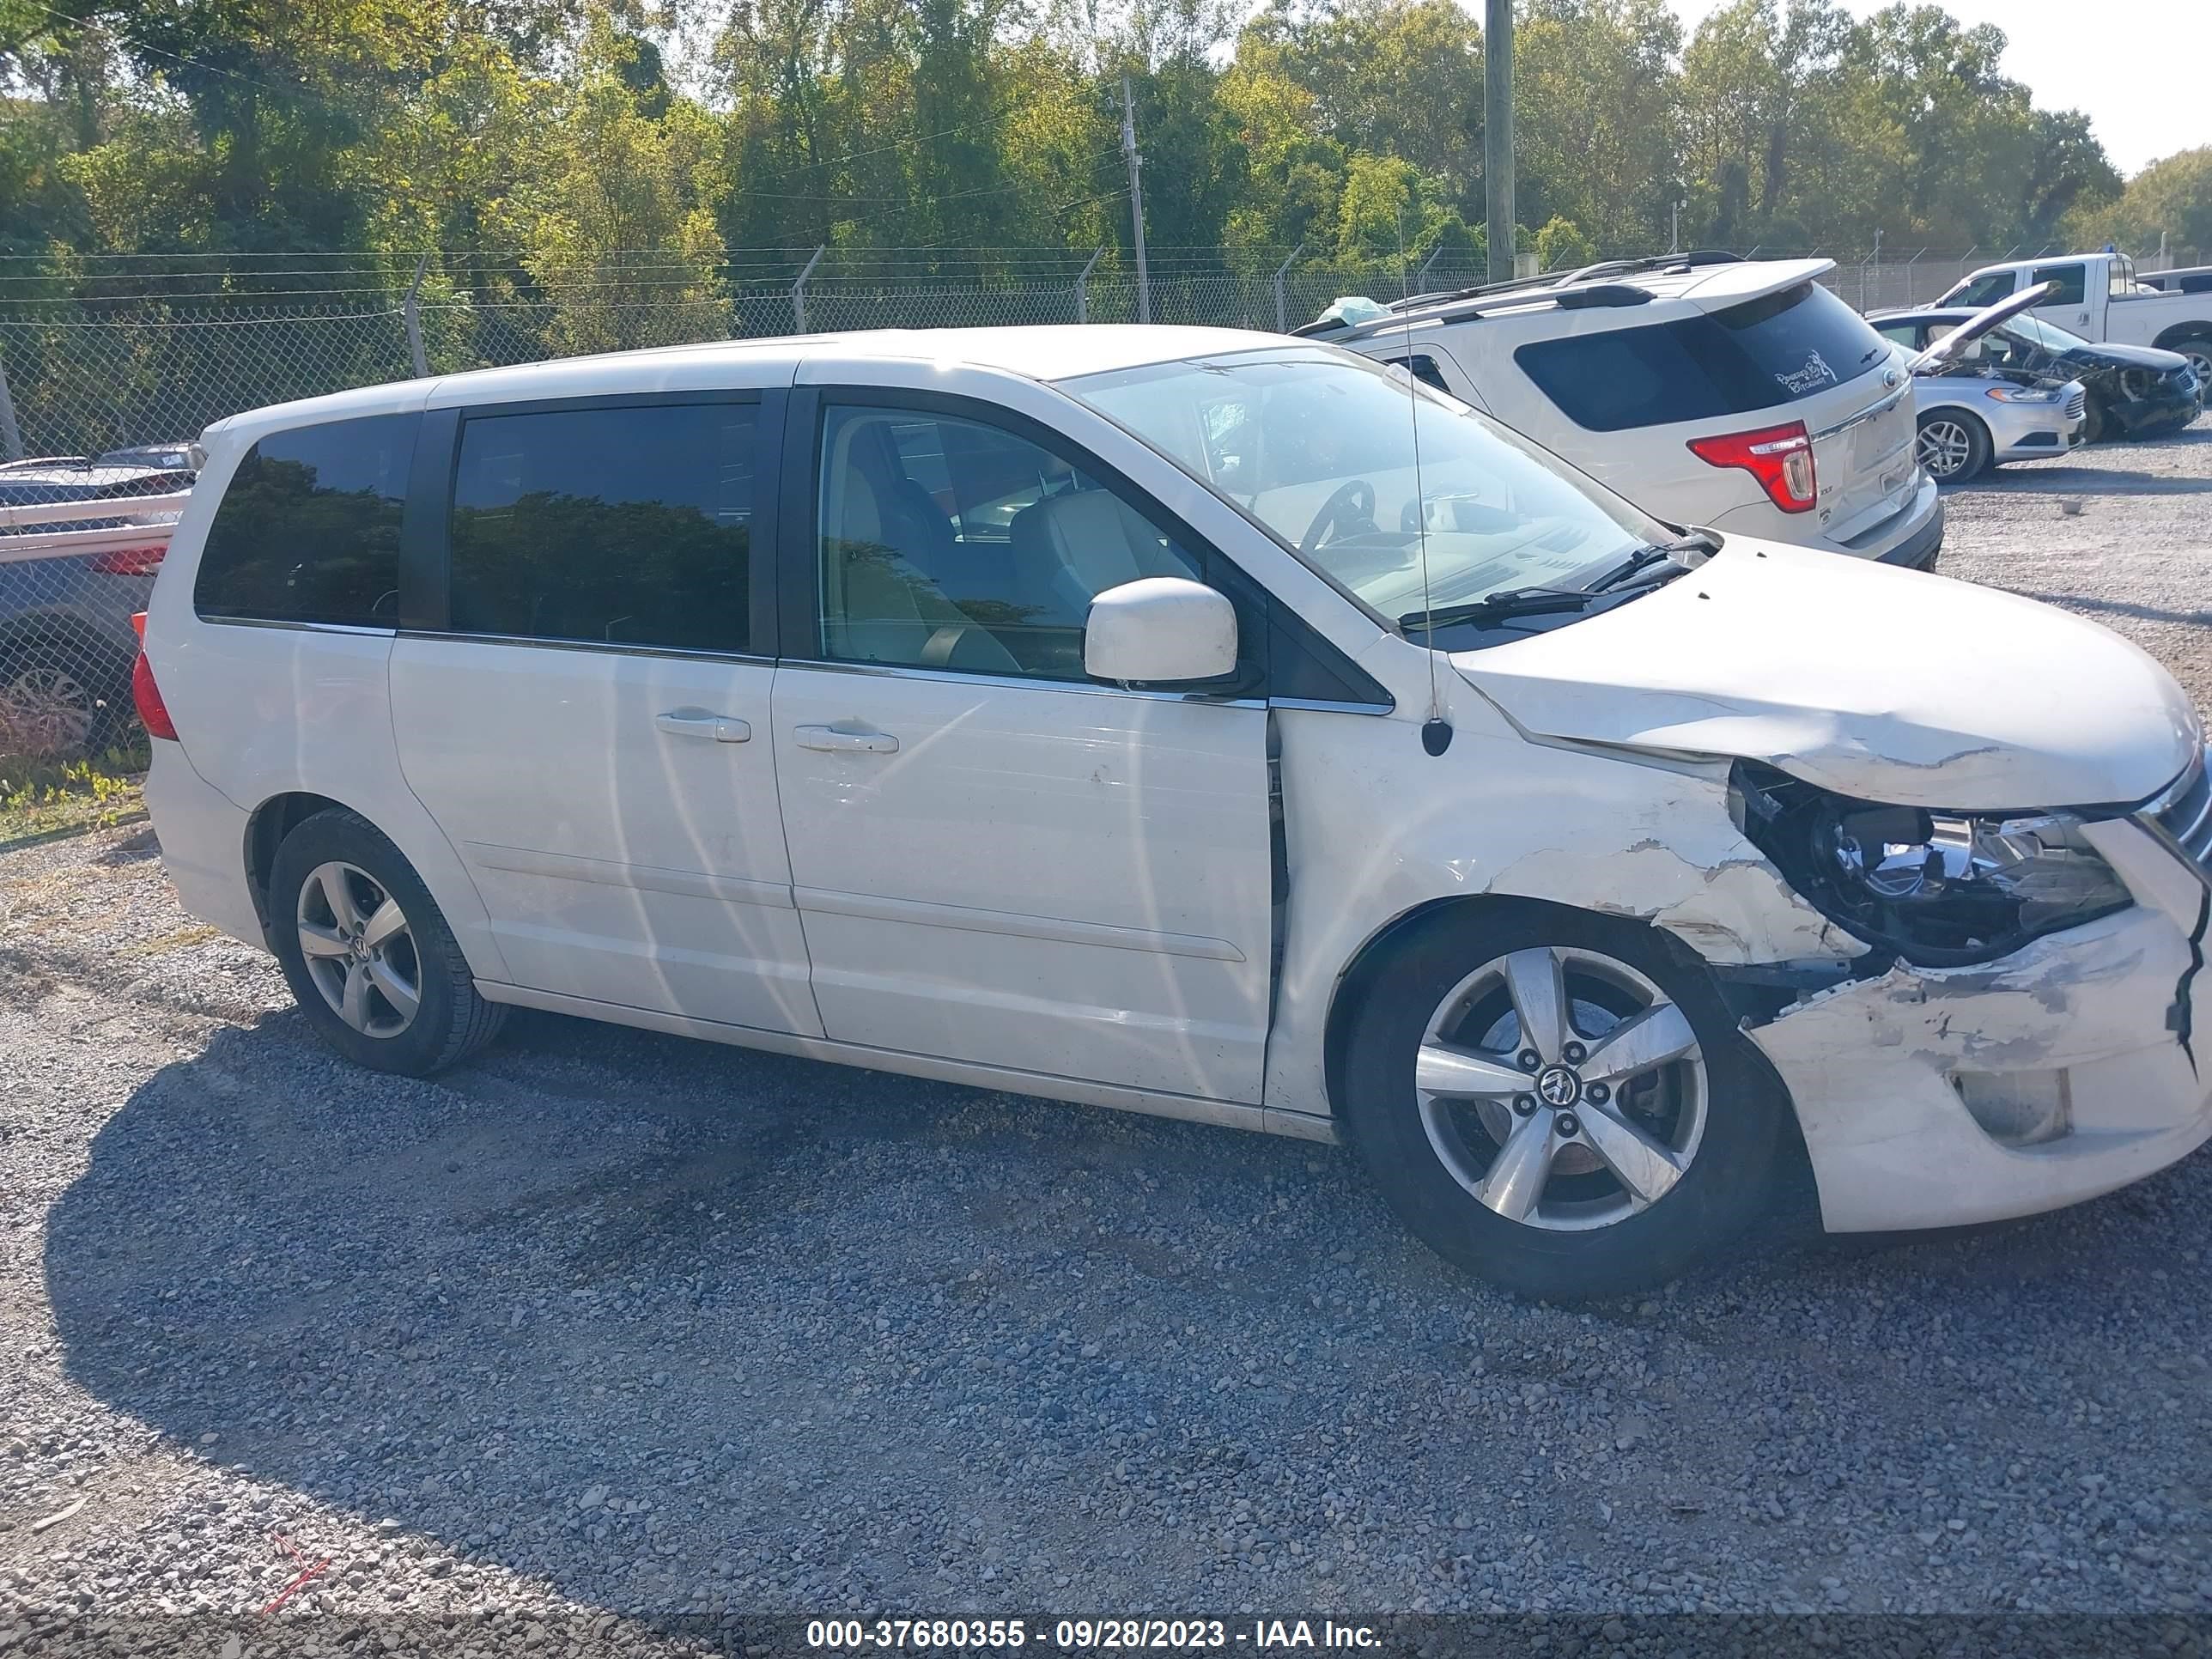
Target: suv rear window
x,y
308,530
1762,354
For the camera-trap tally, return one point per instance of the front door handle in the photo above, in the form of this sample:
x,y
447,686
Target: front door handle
x,y
703,723
842,740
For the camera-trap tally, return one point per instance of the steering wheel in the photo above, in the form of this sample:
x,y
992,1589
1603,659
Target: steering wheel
x,y
1350,508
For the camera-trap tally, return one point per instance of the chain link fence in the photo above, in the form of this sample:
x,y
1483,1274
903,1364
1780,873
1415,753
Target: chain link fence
x,y
99,396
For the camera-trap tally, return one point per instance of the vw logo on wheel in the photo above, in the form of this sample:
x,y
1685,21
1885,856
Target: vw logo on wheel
x,y
1558,1086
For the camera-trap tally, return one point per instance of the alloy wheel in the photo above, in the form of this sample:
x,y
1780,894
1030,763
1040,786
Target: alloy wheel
x,y
1944,449
2200,359
46,714
1562,1088
359,949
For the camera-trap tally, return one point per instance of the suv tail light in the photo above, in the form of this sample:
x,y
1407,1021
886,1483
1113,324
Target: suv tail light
x,y
129,561
1780,457
153,712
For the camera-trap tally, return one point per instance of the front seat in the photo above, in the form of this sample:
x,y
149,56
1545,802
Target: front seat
x,y
1070,548
881,607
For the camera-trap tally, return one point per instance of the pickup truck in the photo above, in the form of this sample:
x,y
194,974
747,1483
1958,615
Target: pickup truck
x,y
2099,297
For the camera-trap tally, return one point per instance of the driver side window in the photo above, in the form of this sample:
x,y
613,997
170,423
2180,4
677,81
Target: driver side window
x,y
945,542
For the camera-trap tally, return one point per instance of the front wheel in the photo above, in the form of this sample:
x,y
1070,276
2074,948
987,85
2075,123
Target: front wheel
x,y
1954,448
1559,1103
369,956
2197,348
2096,423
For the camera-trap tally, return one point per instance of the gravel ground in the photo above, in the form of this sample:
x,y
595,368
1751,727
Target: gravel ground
x,y
611,1329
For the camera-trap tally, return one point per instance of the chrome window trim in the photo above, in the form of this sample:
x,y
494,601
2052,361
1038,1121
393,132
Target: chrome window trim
x,y
1323,706
1019,681
368,631
610,648
1879,406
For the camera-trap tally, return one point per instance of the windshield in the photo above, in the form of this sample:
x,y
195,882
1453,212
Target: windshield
x,y
2039,333
1319,446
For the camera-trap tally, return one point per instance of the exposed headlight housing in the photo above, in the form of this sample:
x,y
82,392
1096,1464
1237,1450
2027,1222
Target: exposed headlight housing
x,y
1941,890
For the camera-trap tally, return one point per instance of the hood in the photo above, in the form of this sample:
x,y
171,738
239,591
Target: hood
x,y
1978,324
1880,684
2107,354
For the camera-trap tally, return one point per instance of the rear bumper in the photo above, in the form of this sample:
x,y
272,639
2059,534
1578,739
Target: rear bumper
x,y
1907,534
1918,551
203,837
1934,1097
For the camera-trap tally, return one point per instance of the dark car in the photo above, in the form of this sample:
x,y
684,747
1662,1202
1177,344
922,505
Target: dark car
x,y
68,588
2135,391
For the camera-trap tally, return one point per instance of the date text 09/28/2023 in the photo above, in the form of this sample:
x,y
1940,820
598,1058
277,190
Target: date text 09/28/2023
x,y
1092,1634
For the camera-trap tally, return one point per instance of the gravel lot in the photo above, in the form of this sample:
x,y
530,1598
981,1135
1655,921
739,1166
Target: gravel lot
x,y
611,1329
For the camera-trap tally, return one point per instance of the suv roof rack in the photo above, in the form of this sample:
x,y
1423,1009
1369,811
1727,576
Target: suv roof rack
x,y
1542,286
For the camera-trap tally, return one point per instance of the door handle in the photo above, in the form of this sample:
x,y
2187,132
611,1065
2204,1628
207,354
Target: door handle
x,y
702,723
838,740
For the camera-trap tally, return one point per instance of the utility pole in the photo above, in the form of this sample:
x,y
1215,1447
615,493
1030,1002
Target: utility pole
x,y
1674,228
1497,134
1136,202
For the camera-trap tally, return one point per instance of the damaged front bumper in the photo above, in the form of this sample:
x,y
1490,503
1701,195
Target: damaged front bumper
x,y
1935,1096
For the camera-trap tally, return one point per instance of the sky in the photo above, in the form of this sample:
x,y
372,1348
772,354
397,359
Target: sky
x,y
2127,65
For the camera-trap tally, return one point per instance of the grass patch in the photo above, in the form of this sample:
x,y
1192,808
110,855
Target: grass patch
x,y
40,799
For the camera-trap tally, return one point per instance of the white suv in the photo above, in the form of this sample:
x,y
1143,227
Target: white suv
x,y
1049,710
1738,395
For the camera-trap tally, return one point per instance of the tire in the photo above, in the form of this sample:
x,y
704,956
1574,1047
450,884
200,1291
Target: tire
x,y
330,881
1953,445
2096,423
2197,348
1719,1114
63,694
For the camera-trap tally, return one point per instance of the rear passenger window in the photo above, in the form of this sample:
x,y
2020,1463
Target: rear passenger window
x,y
308,530
626,526
1422,368
2073,283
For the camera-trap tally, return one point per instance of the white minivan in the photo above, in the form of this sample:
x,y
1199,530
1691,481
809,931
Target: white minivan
x,y
1044,709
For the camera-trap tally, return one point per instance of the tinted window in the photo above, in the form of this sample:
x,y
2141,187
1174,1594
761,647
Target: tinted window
x,y
947,544
1765,353
630,526
2073,283
1904,334
308,530
1422,368
1981,291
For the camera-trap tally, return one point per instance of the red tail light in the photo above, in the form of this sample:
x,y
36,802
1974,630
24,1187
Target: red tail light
x,y
129,561
1780,457
153,712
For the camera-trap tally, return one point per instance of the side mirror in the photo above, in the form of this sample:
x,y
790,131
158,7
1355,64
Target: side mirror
x,y
1160,629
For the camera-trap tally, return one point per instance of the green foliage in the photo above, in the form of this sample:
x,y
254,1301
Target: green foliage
x,y
2171,198
592,191
1561,247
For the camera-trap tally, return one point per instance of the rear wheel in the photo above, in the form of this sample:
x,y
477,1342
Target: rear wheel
x,y
63,694
1953,447
369,956
2197,348
1559,1103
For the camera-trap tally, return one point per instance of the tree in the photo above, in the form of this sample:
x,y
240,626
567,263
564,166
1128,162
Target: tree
x,y
2170,198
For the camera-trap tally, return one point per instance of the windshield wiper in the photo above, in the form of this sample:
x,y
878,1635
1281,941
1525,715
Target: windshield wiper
x,y
1495,607
1696,541
1511,602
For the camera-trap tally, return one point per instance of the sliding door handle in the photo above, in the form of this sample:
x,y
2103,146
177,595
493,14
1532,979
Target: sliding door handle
x,y
841,741
702,723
